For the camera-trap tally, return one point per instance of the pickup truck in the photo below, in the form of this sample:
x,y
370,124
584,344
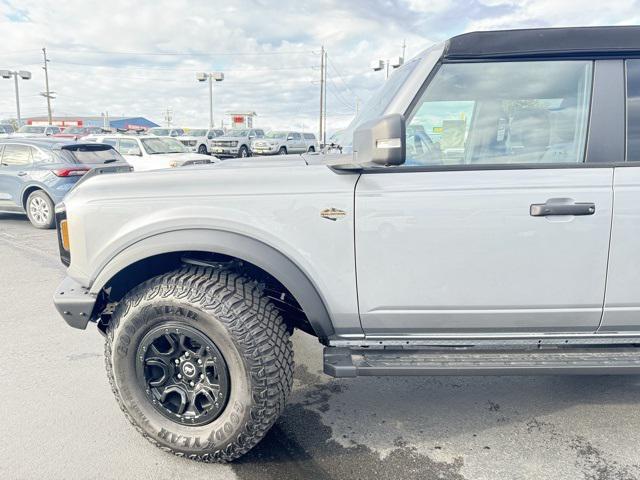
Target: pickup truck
x,y
467,228
235,143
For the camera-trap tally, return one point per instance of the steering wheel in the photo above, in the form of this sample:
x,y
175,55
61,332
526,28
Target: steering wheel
x,y
422,149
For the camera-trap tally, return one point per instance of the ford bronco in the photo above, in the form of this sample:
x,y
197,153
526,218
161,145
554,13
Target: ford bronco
x,y
482,218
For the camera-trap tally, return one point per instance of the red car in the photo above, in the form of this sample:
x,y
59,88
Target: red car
x,y
76,133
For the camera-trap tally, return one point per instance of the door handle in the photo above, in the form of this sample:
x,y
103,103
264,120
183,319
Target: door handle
x,y
550,209
22,174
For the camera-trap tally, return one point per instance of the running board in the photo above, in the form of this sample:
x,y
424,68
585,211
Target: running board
x,y
345,362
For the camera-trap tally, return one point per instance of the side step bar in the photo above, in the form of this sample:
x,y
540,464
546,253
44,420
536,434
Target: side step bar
x,y
346,362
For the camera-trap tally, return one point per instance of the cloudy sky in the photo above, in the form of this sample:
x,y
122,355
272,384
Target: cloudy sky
x,y
138,58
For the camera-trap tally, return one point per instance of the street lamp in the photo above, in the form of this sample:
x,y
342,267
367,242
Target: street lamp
x,y
382,64
23,74
203,77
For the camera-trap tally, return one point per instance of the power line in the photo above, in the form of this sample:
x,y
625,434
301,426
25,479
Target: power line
x,y
183,54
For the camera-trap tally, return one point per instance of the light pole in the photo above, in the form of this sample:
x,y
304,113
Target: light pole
x,y
203,77
23,74
384,64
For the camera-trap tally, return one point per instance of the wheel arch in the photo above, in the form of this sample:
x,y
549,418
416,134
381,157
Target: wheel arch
x,y
162,252
28,191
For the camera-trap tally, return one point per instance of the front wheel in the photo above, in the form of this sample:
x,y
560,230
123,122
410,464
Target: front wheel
x,y
202,149
282,151
40,210
200,361
243,152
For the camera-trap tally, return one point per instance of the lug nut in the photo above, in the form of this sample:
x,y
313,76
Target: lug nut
x,y
199,362
192,384
202,376
179,375
186,354
177,361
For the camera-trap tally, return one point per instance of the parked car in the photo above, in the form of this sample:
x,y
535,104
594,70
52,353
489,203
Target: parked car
x,y
165,132
151,152
312,142
36,131
480,239
6,130
279,142
77,133
35,174
236,142
199,139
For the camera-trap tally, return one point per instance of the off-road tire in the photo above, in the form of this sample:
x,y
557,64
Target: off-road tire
x,y
247,329
282,151
43,200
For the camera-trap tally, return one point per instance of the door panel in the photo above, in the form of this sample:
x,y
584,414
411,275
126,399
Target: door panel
x,y
622,302
459,251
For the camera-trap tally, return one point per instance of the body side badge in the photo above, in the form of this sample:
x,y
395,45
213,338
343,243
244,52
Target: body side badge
x,y
333,213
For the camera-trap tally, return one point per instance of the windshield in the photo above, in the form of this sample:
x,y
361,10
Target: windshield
x,y
31,129
91,154
197,133
6,128
159,146
238,133
161,132
377,104
275,135
73,130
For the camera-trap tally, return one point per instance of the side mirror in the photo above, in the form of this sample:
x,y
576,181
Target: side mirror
x,y
252,137
381,141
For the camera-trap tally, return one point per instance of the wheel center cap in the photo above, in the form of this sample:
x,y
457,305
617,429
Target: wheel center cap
x,y
188,369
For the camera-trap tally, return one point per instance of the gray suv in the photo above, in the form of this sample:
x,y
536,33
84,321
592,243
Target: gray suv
x,y
279,143
485,222
235,143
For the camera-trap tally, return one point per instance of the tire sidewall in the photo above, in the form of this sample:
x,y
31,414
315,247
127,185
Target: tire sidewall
x,y
45,197
202,149
215,436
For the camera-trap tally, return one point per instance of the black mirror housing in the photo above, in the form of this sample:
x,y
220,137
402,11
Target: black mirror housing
x,y
381,141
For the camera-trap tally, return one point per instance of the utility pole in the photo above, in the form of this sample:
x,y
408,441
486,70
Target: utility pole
x,y
168,116
404,49
47,94
321,92
324,115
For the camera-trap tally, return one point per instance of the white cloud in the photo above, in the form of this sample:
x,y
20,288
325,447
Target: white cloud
x,y
268,51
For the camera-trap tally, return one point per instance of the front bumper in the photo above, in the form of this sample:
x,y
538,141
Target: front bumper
x,y
74,303
264,150
225,151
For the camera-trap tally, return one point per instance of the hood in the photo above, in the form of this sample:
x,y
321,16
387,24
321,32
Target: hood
x,y
266,161
27,135
68,135
186,137
228,137
185,156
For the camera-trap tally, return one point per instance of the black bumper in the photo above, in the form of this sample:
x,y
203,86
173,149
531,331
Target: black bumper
x,y
74,302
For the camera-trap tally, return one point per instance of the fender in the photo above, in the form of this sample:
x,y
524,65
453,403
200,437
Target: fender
x,y
235,245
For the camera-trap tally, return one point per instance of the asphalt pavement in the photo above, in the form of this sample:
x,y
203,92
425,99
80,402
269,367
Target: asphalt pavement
x,y
59,420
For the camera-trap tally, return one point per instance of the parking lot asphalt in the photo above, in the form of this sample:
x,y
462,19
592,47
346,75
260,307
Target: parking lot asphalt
x,y
59,419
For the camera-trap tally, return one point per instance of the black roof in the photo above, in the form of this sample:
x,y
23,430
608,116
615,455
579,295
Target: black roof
x,y
546,42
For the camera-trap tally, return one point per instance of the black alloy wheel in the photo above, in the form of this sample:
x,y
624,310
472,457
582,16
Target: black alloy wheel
x,y
183,373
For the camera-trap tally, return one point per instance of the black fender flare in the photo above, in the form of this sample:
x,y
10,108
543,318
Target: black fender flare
x,y
233,244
